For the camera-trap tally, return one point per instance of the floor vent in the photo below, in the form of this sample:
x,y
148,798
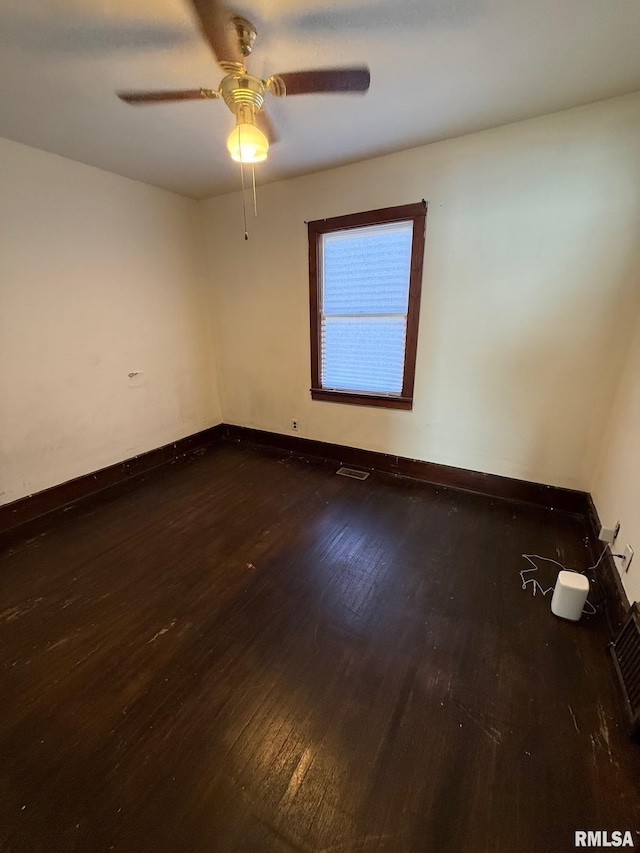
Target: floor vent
x,y
351,472
626,657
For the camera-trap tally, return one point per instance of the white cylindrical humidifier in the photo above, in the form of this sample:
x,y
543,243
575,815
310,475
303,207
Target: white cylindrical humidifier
x,y
569,595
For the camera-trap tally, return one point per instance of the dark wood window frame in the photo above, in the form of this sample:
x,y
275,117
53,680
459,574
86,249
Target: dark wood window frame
x,y
403,213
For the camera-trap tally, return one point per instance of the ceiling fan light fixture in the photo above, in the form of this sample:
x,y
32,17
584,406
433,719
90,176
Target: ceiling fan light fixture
x,y
248,144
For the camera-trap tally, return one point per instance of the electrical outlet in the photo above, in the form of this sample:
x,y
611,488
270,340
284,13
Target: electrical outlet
x,y
294,425
609,534
627,556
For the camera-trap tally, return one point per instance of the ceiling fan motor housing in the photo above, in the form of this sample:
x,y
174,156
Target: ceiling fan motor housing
x,y
243,94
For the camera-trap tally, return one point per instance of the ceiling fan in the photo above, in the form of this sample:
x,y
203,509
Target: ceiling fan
x,y
231,38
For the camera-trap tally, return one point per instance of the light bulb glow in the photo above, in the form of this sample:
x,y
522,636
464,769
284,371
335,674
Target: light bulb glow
x,y
247,144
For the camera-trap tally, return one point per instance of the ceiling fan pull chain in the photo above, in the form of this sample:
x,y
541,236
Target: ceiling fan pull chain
x,y
255,200
244,207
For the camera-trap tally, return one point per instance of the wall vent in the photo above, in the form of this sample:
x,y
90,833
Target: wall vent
x,y
626,657
351,472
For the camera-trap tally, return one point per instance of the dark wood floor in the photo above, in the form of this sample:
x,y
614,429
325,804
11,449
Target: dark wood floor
x,y
248,653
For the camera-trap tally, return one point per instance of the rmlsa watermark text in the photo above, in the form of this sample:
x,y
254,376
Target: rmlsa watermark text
x,y
603,839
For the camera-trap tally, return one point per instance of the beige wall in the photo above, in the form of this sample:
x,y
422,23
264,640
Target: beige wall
x,y
99,277
532,263
616,490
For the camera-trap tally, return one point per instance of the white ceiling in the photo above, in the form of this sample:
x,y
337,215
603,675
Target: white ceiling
x,y
439,68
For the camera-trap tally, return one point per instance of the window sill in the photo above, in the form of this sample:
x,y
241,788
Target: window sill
x,y
361,399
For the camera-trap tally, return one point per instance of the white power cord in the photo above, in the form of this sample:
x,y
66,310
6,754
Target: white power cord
x,y
537,587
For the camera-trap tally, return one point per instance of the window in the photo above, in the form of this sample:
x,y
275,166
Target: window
x,y
365,275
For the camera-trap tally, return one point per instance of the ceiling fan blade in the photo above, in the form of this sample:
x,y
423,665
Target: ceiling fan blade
x,y
266,126
159,97
216,23
355,79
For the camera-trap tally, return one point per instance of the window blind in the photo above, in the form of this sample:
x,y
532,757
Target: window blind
x,y
364,300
